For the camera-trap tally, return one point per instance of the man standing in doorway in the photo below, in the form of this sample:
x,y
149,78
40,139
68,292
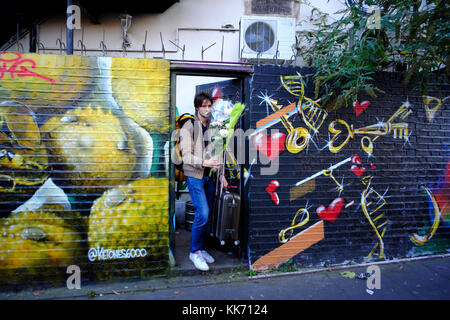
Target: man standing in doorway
x,y
193,142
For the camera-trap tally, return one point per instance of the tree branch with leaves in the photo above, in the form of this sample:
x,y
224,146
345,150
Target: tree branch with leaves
x,y
414,38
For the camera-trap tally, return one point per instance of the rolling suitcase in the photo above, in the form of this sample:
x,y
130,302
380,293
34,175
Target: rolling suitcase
x,y
226,216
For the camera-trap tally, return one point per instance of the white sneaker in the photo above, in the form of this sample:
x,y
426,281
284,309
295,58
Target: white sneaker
x,y
208,258
198,261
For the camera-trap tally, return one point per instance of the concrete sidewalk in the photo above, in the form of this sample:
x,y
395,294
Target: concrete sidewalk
x,y
414,279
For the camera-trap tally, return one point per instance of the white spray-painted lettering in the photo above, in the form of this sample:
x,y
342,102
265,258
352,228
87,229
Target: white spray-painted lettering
x,y
101,253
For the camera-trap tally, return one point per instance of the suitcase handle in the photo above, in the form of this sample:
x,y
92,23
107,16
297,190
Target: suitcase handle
x,y
233,205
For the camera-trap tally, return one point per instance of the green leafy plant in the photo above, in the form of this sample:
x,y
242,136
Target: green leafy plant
x,y
346,53
251,273
91,294
287,267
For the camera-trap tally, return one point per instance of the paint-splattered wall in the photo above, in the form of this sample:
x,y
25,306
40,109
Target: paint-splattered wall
x,y
83,167
360,184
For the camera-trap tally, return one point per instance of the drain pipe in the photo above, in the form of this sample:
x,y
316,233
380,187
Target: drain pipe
x,y
69,31
17,36
33,38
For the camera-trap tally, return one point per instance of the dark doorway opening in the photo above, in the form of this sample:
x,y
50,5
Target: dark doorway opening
x,y
231,85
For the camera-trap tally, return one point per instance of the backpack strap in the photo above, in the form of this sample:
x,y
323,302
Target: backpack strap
x,y
181,120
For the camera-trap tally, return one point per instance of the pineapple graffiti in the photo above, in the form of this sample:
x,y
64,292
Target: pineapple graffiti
x,y
79,165
23,160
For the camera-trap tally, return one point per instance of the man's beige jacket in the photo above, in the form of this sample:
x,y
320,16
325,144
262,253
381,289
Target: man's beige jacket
x,y
192,148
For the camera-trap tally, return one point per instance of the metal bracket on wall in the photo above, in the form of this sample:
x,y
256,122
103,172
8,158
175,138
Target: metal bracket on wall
x,y
80,43
203,50
143,45
294,56
221,52
162,45
103,45
125,42
41,46
277,52
182,49
60,43
294,52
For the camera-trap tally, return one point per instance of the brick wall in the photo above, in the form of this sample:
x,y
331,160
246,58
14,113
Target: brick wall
x,y
83,174
393,190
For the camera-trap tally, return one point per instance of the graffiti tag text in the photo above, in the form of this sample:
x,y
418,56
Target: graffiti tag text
x,y
16,67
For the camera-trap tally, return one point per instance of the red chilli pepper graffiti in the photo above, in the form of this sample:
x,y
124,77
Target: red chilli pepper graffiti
x,y
17,68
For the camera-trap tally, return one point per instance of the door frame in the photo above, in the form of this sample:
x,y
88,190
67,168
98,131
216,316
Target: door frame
x,y
227,70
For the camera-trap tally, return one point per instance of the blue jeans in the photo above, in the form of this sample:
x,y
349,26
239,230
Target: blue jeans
x,y
202,196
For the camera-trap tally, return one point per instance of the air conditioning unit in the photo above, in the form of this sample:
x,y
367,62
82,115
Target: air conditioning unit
x,y
263,34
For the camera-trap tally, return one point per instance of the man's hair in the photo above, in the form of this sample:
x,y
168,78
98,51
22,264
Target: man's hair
x,y
200,97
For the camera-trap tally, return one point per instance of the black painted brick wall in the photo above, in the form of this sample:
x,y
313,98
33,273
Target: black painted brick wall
x,y
399,169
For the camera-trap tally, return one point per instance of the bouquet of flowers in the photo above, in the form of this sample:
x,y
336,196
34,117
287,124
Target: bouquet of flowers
x,y
224,117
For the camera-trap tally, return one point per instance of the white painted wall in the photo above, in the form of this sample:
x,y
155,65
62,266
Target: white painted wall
x,y
192,14
304,21
185,91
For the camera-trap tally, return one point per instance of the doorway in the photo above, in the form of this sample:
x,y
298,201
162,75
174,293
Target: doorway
x,y
185,84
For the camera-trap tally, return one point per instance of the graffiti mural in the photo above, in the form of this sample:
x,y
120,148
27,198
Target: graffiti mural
x,y
349,191
360,107
399,130
83,173
272,191
438,200
371,204
432,105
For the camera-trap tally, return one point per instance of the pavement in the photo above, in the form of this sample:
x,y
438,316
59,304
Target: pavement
x,y
226,259
229,279
425,278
